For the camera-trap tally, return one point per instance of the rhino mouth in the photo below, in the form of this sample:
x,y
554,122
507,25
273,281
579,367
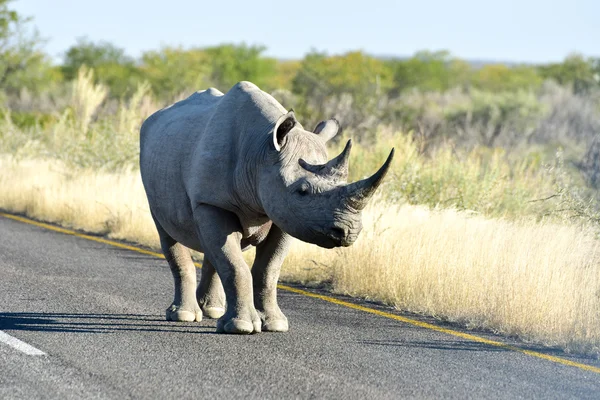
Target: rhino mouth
x,y
337,238
333,242
328,239
334,235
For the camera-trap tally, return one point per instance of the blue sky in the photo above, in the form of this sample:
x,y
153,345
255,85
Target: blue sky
x,y
522,31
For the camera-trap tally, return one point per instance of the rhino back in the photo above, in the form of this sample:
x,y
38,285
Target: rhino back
x,y
238,133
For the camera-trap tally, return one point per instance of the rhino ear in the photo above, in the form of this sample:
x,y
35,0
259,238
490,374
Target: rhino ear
x,y
327,129
282,127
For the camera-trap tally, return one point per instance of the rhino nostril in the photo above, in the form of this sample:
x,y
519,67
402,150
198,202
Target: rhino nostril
x,y
339,232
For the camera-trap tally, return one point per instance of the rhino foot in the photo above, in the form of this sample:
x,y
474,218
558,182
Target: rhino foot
x,y
238,325
274,321
235,326
213,312
278,325
178,313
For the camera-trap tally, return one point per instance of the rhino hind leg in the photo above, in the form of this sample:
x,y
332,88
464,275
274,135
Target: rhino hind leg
x,y
210,293
265,274
184,307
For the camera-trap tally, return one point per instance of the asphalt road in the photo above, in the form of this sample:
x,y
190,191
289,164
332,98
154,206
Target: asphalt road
x,y
96,311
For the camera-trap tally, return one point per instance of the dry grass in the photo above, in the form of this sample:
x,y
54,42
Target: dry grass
x,y
540,281
106,203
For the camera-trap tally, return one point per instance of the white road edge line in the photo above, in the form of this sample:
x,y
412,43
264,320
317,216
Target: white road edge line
x,y
20,345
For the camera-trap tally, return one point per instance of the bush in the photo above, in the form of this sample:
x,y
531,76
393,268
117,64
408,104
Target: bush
x,y
467,118
81,135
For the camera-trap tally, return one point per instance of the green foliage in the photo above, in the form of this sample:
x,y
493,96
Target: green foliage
x,y
175,71
22,63
492,114
81,136
172,71
347,86
498,77
354,73
580,73
231,63
429,71
286,72
92,55
112,66
439,71
25,120
468,118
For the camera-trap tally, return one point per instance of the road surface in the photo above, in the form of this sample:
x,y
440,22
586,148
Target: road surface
x,y
94,312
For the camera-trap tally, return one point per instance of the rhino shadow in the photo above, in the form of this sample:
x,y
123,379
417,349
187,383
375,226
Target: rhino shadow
x,y
96,323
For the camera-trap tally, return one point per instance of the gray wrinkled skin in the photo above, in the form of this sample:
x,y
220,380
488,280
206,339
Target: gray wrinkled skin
x,y
226,172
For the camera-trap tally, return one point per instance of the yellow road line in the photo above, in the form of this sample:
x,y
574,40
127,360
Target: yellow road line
x,y
333,300
81,235
436,328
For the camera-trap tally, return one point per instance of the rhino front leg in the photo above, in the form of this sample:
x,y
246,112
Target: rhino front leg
x,y
210,294
220,233
184,306
265,274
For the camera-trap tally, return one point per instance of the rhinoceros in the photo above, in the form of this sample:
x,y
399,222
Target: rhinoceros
x,y
224,172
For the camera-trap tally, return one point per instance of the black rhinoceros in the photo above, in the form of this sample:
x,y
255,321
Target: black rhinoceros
x,y
226,172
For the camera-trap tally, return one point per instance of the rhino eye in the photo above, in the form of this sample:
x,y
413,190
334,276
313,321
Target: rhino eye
x,y
303,189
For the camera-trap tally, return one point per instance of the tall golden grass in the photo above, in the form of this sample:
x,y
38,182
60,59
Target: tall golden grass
x,y
112,204
537,280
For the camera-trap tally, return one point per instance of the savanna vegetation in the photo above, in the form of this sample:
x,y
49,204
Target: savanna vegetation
x,y
490,217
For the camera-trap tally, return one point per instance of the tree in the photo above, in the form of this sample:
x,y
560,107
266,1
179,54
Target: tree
x,y
111,65
347,86
575,70
286,71
354,73
429,71
498,77
231,63
23,65
172,70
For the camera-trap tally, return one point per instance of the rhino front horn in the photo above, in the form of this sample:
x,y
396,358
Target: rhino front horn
x,y
359,193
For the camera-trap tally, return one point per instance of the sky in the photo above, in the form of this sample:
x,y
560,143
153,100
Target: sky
x,y
533,31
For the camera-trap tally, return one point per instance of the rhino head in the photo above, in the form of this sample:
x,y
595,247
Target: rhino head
x,y
305,194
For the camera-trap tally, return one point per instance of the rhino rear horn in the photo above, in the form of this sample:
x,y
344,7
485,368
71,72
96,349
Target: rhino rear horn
x,y
283,126
358,193
327,129
337,167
